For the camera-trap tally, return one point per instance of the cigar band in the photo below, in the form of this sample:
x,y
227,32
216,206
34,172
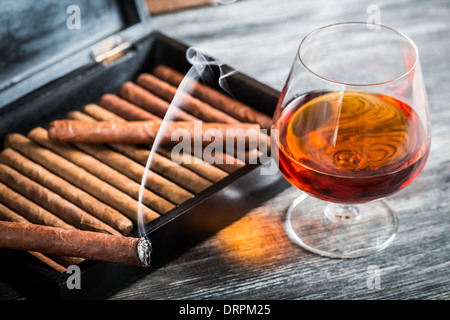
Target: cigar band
x,y
144,250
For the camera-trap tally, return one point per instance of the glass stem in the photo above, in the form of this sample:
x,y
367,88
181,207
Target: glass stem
x,y
341,213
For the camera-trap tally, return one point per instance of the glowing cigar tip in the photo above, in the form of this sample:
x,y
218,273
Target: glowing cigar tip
x,y
144,250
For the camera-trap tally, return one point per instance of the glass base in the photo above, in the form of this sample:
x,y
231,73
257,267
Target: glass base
x,y
340,231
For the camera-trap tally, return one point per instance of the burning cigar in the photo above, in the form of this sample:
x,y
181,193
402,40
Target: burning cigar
x,y
124,108
216,99
67,190
144,132
52,202
75,243
101,170
194,106
150,102
79,177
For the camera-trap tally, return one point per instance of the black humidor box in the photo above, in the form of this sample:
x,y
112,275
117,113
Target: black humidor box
x,y
50,67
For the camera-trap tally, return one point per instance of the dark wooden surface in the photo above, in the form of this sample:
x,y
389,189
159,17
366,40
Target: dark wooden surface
x,y
253,258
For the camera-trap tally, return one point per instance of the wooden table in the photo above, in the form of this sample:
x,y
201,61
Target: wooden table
x,y
253,258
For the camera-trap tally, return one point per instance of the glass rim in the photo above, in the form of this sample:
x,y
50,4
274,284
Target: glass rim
x,y
411,43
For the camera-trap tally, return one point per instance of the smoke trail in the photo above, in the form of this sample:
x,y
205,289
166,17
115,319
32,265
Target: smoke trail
x,y
200,69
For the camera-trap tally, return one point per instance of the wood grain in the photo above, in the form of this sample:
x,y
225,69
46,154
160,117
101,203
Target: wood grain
x,y
253,258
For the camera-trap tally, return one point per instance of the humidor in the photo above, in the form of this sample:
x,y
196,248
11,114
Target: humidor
x,y
51,73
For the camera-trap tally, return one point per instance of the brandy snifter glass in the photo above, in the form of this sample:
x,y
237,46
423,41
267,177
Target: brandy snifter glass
x,y
351,128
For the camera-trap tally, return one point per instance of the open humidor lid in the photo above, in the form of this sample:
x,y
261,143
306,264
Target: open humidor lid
x,y
44,40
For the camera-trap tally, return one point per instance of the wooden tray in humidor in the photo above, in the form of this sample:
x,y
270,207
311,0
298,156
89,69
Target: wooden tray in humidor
x,y
77,94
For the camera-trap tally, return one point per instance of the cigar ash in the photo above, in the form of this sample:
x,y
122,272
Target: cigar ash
x,y
144,250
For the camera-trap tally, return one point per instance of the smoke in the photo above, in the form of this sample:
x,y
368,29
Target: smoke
x,y
202,67
213,72
201,70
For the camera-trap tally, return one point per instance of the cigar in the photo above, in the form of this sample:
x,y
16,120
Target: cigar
x,y
78,115
79,177
190,162
53,264
194,106
147,100
6,214
212,171
52,202
144,132
152,103
58,263
227,163
197,165
216,99
67,190
75,243
124,108
28,209
165,167
100,170
93,112
158,184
